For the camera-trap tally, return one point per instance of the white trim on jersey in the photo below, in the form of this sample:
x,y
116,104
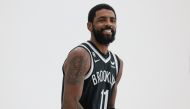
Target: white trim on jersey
x,y
116,63
92,63
101,57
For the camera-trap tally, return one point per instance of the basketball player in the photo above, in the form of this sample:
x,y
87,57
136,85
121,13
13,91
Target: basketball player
x,y
91,71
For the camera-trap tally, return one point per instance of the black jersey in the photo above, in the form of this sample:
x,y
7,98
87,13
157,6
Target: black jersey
x,y
100,79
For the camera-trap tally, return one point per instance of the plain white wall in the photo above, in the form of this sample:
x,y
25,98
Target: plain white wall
x,y
153,39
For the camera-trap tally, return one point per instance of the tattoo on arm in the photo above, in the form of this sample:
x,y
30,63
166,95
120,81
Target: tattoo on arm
x,y
75,70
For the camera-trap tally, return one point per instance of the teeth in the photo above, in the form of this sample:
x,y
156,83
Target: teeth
x,y
108,30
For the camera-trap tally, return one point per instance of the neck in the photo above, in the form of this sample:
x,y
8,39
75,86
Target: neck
x,y
102,47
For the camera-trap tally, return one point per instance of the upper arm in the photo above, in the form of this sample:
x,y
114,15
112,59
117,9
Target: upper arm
x,y
75,68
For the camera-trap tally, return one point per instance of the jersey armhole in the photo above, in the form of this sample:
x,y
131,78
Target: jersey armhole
x,y
118,61
116,58
90,70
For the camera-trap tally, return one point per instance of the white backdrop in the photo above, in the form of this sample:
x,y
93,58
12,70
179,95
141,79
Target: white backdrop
x,y
153,39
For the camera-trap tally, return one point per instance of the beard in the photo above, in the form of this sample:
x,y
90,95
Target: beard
x,y
101,38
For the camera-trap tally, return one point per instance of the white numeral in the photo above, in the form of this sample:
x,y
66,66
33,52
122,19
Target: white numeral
x,y
104,93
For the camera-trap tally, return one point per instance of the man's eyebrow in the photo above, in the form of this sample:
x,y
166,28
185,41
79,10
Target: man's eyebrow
x,y
103,17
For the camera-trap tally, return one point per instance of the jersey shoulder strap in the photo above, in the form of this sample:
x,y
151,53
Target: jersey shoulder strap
x,y
89,50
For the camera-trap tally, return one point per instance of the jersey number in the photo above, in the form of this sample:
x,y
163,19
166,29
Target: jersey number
x,y
104,99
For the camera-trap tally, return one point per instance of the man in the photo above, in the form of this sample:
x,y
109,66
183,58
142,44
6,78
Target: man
x,y
91,71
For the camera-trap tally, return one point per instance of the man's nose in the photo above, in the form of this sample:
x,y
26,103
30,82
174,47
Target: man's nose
x,y
108,23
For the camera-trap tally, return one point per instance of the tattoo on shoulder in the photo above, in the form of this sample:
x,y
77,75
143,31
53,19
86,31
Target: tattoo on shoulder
x,y
75,73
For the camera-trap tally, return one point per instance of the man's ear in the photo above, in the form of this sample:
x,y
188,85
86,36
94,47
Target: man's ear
x,y
89,26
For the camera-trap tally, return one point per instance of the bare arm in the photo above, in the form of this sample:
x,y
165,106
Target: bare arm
x,y
114,91
75,67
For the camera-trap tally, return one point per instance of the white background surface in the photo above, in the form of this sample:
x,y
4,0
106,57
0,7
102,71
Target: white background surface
x,y
153,39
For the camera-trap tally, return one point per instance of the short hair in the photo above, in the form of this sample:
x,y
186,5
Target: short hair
x,y
98,7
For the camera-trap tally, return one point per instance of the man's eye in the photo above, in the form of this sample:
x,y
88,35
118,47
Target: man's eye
x,y
113,20
101,20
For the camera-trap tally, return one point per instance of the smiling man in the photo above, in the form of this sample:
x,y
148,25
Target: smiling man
x,y
92,72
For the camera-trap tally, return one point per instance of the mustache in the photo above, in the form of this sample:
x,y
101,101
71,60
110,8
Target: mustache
x,y
107,27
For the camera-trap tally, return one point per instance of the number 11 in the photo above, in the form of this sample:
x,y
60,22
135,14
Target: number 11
x,y
104,93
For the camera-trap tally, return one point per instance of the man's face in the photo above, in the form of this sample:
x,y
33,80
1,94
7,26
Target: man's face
x,y
104,26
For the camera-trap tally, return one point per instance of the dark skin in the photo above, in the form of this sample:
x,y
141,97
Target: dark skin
x,y
78,63
103,17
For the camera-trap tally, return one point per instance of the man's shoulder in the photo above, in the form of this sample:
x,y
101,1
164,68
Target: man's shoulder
x,y
116,55
118,58
78,51
78,48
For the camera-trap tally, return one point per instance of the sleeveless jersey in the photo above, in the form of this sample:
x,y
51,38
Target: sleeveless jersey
x,y
100,79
